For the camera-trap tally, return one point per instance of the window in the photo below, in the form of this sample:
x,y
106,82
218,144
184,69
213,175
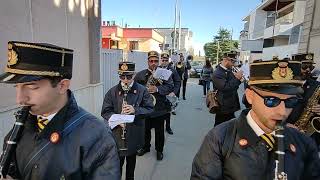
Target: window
x,y
114,44
133,45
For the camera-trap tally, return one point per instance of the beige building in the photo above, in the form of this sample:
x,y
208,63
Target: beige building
x,y
73,24
310,41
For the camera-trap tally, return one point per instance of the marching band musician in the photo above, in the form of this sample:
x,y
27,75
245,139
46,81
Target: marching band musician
x,y
244,148
159,89
227,84
130,98
182,68
177,84
309,86
60,140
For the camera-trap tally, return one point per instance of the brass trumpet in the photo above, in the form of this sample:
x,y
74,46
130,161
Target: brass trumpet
x,y
235,70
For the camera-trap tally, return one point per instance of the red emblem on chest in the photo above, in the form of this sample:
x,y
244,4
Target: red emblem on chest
x,y
54,137
243,142
293,148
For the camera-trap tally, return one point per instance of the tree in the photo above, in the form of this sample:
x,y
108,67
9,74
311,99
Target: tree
x,y
222,43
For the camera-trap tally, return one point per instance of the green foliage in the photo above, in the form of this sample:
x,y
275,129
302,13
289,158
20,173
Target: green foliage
x,y
222,41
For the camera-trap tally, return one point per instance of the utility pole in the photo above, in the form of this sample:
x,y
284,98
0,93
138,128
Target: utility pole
x,y
218,48
175,29
179,38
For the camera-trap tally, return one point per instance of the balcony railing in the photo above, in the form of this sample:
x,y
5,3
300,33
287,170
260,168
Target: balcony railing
x,y
286,19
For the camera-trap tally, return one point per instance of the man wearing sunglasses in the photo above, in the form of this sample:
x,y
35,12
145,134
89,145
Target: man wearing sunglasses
x,y
227,84
159,89
130,98
245,147
177,84
309,86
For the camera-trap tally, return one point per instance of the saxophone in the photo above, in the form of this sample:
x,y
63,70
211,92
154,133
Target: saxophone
x,y
152,81
305,122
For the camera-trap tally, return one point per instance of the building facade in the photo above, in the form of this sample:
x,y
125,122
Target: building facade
x,y
131,39
186,40
274,28
310,40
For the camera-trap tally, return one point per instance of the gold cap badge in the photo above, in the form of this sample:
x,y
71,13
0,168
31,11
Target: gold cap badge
x,y
282,72
12,56
124,67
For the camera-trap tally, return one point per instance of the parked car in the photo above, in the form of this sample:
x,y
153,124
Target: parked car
x,y
196,68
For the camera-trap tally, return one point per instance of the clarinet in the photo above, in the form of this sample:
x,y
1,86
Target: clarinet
x,y
279,173
11,144
123,146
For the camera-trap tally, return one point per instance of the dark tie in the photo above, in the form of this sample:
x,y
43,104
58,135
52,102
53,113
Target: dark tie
x,y
268,140
42,122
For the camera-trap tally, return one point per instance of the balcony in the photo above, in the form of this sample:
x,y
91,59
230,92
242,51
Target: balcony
x,y
282,27
280,51
251,45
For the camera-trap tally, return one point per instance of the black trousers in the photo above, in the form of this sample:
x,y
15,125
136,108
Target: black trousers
x,y
221,117
178,93
167,118
184,87
130,166
158,125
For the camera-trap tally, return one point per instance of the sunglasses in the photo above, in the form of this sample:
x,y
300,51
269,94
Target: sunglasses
x,y
272,101
165,60
306,66
129,77
153,61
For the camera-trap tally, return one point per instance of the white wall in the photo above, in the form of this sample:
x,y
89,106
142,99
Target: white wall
x,y
298,12
60,22
46,21
280,51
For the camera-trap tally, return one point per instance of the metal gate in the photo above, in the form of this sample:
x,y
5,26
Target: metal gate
x,y
109,65
110,59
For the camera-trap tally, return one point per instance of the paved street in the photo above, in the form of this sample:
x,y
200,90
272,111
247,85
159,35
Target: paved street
x,y
191,124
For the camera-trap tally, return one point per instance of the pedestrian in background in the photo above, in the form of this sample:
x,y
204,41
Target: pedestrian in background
x,y
206,76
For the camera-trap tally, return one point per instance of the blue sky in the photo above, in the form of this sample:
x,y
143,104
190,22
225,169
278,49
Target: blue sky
x,y
203,17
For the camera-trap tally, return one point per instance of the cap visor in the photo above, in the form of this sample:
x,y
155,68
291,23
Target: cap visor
x,y
18,78
280,88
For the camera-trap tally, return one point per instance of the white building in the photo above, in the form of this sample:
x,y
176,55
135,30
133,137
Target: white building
x,y
186,43
310,39
273,29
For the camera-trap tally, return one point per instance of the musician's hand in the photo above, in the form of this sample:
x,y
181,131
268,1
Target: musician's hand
x,y
316,109
152,89
238,74
128,109
171,94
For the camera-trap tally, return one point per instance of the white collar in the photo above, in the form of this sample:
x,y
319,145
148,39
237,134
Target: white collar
x,y
254,126
47,117
223,67
130,85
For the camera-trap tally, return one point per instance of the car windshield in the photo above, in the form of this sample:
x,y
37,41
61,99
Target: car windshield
x,y
196,63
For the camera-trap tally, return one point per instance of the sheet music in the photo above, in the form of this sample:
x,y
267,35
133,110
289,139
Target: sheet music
x,y
162,73
175,58
117,119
